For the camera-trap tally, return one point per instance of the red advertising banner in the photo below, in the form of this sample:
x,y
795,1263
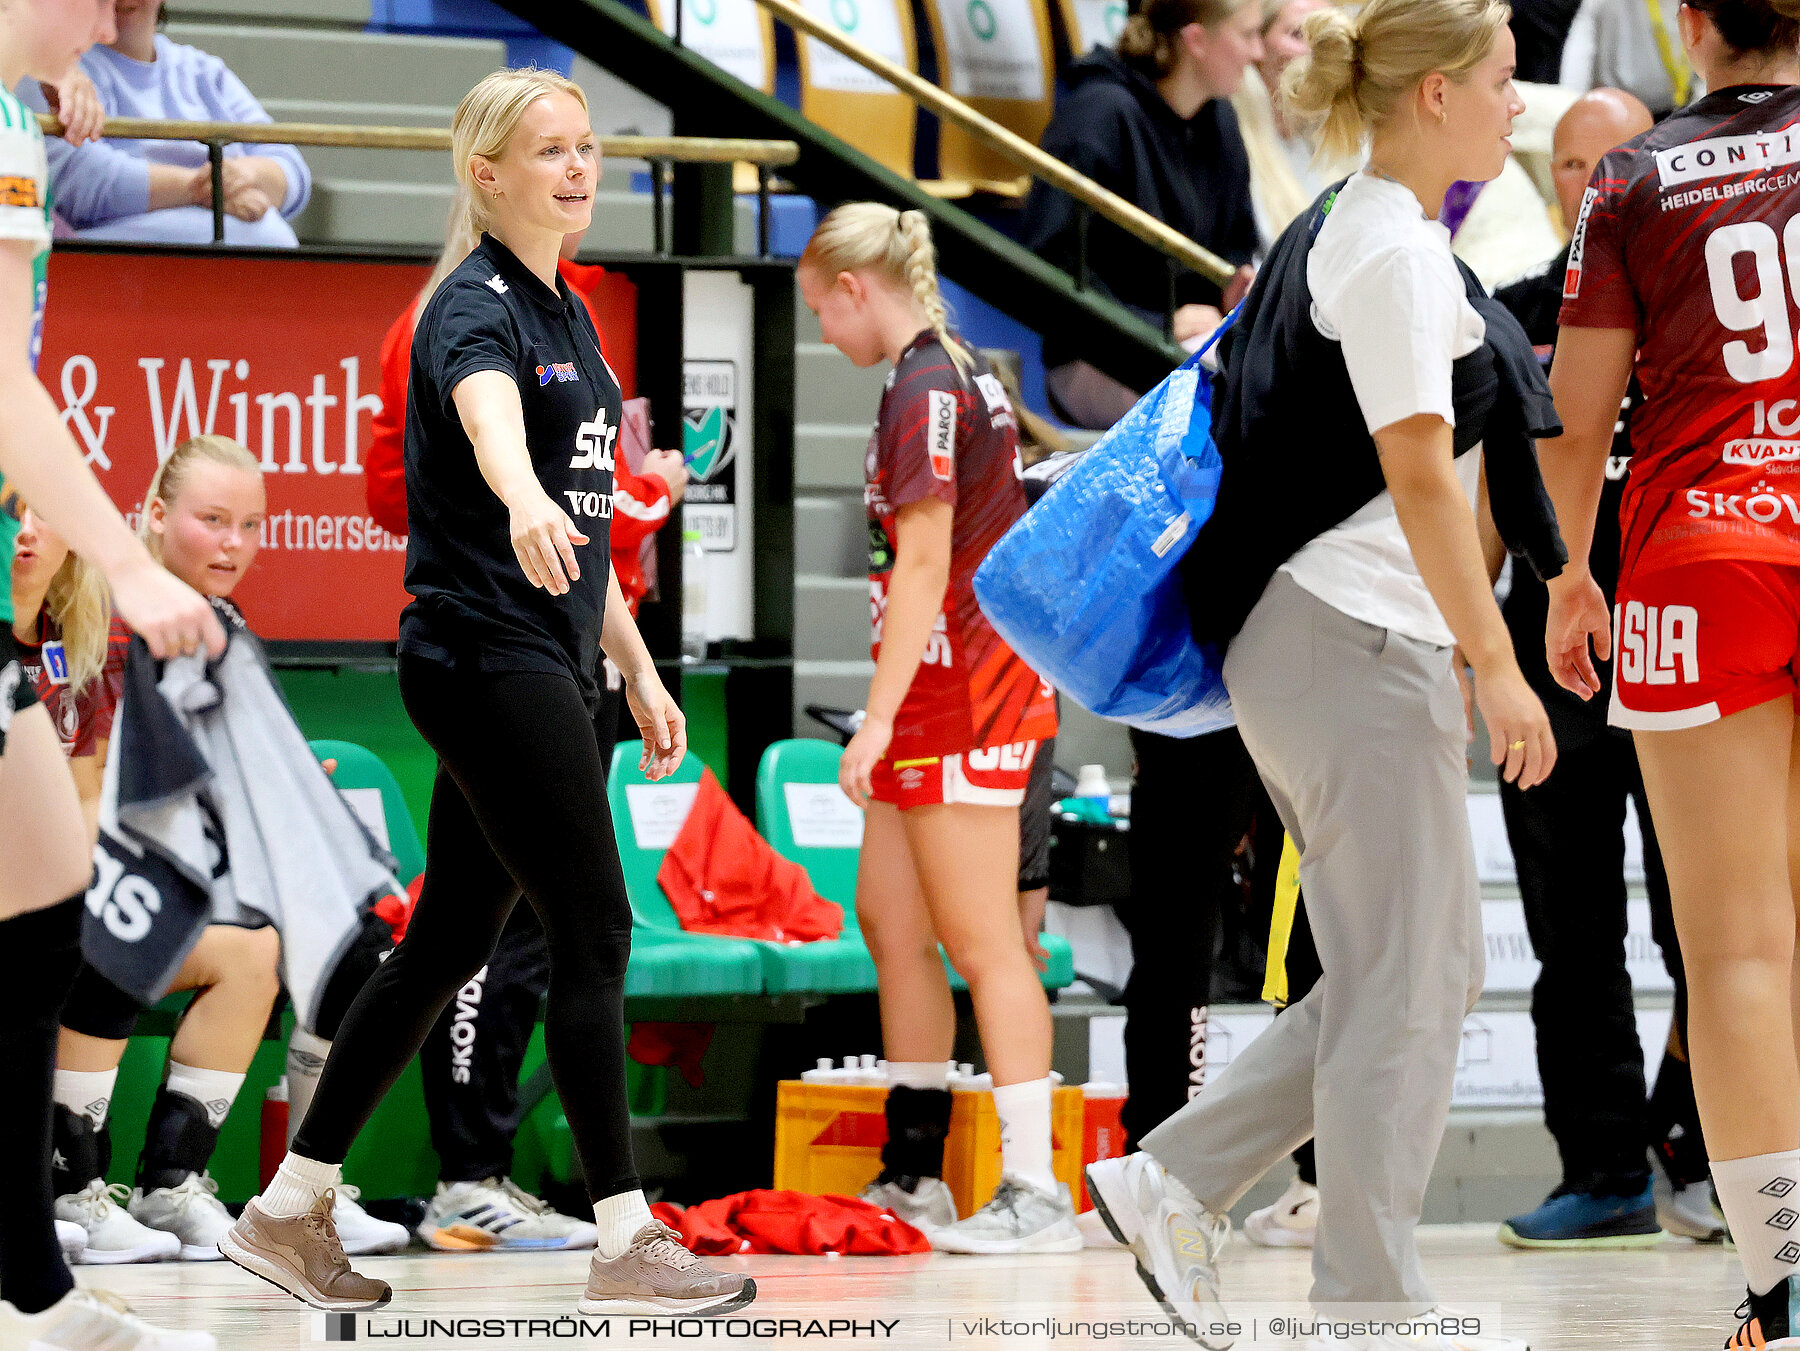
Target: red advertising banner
x,y
144,350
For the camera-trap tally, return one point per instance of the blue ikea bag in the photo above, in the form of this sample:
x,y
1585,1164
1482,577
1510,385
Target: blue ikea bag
x,y
1083,586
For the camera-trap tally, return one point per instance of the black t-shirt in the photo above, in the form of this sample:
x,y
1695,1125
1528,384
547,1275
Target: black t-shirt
x,y
471,599
1535,300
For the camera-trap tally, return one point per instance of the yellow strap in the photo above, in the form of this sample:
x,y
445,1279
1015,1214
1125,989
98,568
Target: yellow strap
x,y
1281,925
1681,75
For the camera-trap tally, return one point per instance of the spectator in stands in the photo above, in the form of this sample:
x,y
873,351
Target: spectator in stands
x,y
161,191
1567,838
1634,46
1284,174
1152,121
477,1206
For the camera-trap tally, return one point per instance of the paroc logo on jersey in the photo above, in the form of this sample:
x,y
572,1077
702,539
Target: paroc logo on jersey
x,y
940,432
1577,244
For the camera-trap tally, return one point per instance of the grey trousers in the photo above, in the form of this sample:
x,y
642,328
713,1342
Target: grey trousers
x,y
1358,734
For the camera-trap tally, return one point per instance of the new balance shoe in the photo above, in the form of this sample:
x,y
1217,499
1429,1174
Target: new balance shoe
x,y
1177,1241
111,1235
71,1238
360,1232
191,1211
92,1320
657,1275
1291,1222
498,1215
1582,1219
1771,1321
1018,1218
1691,1211
926,1205
301,1254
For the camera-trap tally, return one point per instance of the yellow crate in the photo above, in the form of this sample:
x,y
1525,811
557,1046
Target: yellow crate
x,y
828,1138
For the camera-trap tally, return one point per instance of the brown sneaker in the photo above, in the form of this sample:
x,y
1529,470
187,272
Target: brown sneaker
x,y
657,1275
302,1255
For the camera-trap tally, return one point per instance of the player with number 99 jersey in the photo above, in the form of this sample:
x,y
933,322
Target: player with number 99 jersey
x,y
953,437
1689,236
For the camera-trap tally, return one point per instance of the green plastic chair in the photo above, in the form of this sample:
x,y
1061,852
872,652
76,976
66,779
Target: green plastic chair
x,y
825,966
358,767
808,760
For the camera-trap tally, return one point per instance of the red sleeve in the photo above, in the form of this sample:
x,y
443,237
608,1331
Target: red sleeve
x,y
384,468
99,702
922,421
1597,288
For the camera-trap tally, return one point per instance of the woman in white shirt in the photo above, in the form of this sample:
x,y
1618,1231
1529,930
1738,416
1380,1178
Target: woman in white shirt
x,y
1340,661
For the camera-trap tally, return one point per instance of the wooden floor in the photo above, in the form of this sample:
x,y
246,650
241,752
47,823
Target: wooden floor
x,y
1675,1296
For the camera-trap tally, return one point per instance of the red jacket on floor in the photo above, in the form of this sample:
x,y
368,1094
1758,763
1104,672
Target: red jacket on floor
x,y
791,1222
724,878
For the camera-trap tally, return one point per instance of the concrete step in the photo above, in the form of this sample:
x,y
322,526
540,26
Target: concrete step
x,y
831,535
349,12
292,62
829,455
836,684
831,618
829,389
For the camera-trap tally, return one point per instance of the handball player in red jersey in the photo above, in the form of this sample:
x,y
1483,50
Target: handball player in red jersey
x,y
1685,268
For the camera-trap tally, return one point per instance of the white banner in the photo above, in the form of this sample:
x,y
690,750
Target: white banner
x,y
821,817
991,49
729,33
718,391
1493,851
1100,22
874,24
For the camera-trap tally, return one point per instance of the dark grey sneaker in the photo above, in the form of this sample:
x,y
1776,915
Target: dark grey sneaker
x,y
657,1275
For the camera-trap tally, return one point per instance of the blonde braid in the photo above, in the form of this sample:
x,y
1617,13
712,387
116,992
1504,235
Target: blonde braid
x,y
921,276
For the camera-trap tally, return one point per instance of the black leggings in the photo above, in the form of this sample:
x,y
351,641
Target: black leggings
x,y
519,804
45,948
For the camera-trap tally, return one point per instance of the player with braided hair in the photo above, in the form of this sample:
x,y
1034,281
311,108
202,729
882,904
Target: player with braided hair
x,y
954,719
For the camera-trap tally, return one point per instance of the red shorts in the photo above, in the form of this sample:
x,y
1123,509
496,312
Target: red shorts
x,y
1700,641
994,776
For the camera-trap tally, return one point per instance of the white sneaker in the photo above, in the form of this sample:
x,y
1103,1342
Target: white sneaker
x,y
1691,1211
498,1214
927,1207
361,1234
92,1320
1019,1218
113,1235
71,1238
1290,1223
1176,1240
191,1211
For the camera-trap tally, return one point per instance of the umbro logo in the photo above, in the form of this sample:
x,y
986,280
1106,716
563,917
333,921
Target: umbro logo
x,y
499,286
1788,1252
1778,1188
1783,1218
219,1108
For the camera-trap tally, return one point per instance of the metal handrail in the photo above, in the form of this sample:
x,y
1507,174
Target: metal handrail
x,y
659,151
1132,219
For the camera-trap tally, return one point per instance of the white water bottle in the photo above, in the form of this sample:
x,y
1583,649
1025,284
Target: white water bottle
x,y
693,597
1091,782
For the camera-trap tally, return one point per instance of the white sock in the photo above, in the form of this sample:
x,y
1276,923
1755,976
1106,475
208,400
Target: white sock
x,y
215,1090
919,1074
619,1218
86,1092
305,1063
1024,1111
297,1186
1760,1196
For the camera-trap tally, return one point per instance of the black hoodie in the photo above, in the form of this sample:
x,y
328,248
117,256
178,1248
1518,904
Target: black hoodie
x,y
1113,125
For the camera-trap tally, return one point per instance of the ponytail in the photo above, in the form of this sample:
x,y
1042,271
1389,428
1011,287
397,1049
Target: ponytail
x,y
897,245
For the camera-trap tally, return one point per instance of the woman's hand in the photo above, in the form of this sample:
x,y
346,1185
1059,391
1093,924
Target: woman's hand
x,y
865,751
1195,321
671,468
168,614
254,186
1519,733
660,722
1238,287
1578,615
77,103
544,538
